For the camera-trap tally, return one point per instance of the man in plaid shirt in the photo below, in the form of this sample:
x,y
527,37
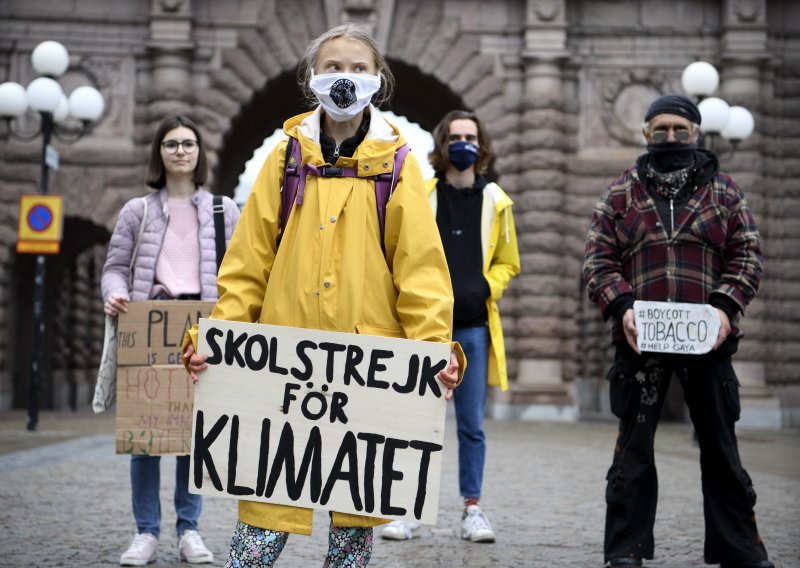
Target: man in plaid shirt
x,y
673,228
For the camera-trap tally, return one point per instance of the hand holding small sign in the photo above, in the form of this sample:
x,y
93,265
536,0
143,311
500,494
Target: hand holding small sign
x,y
671,327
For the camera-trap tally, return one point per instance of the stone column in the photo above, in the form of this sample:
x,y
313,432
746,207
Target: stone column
x,y
546,284
743,55
167,86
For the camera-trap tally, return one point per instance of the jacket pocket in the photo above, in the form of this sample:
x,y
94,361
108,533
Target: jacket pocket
x,y
730,393
380,331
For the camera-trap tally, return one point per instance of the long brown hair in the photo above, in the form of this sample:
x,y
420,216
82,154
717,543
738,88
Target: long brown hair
x,y
440,156
156,175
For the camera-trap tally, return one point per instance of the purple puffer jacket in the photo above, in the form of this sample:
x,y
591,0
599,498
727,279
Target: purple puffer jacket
x,y
120,249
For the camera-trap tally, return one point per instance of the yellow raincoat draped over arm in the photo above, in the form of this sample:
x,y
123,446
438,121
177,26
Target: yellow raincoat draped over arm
x,y
500,264
330,272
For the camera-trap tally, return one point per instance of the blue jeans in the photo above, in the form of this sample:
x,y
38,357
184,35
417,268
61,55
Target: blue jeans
x,y
145,489
470,402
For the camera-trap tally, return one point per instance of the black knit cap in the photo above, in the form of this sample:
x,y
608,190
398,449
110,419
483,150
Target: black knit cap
x,y
674,103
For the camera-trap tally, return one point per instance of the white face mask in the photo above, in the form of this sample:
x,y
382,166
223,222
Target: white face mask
x,y
344,95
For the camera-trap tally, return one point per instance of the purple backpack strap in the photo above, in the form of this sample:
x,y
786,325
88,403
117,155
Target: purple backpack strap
x,y
294,182
386,183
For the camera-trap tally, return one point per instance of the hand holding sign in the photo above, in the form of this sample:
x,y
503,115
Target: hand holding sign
x,y
319,419
670,327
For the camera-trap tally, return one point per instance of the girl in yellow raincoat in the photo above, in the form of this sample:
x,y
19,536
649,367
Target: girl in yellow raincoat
x,y
333,270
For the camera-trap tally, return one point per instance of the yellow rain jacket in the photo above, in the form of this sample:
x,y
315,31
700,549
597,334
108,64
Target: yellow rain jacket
x,y
500,265
330,272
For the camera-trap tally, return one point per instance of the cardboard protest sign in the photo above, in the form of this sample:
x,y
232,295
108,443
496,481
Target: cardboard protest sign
x,y
325,420
154,410
150,333
673,327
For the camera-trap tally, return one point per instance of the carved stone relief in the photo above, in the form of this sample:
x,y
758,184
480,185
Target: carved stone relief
x,y
625,97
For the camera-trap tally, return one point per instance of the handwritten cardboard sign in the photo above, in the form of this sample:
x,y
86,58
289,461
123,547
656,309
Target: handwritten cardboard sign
x,y
150,333
154,410
325,420
672,327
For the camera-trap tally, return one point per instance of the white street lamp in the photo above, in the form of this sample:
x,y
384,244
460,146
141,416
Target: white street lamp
x,y
700,80
44,95
13,100
50,58
715,114
740,125
86,103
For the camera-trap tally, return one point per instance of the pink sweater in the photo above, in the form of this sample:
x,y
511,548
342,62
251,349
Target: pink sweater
x,y
178,265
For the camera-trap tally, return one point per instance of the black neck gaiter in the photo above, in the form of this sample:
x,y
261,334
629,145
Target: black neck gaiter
x,y
670,156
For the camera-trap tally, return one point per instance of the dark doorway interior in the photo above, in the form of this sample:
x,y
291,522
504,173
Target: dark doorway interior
x,y
72,310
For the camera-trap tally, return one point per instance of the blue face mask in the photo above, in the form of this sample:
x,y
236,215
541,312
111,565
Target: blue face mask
x,y
462,155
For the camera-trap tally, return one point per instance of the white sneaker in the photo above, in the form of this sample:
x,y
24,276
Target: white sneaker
x,y
141,552
475,526
400,530
192,549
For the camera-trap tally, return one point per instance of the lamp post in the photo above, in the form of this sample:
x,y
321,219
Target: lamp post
x,y
44,95
734,123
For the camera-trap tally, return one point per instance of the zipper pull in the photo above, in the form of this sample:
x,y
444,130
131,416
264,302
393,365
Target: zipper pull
x,y
336,154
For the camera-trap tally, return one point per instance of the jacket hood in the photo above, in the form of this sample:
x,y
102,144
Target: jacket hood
x,y
375,155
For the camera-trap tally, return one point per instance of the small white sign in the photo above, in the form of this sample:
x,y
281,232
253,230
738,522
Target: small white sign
x,y
51,157
319,419
670,327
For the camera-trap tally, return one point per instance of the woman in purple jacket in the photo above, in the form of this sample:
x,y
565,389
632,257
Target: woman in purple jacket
x,y
175,259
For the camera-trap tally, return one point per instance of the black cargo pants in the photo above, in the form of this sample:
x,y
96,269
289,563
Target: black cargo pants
x,y
638,385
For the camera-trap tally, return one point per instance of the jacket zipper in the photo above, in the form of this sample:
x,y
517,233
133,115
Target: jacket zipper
x,y
336,154
671,219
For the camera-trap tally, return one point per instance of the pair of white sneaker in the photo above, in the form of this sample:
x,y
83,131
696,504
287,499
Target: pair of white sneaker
x,y
144,549
475,527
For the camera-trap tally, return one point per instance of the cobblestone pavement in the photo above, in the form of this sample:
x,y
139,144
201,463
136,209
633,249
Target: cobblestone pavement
x,y
67,503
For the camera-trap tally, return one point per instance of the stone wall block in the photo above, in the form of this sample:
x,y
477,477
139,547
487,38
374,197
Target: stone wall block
x,y
259,51
424,25
538,347
229,83
542,262
219,101
541,179
540,285
541,199
538,221
483,89
461,54
438,45
242,64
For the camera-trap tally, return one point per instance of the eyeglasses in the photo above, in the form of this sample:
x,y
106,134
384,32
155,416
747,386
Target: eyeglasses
x,y
468,137
171,146
682,135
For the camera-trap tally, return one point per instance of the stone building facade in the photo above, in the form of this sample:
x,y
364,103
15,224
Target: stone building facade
x,y
561,84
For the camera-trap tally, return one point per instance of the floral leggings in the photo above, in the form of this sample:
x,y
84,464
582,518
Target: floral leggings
x,y
252,547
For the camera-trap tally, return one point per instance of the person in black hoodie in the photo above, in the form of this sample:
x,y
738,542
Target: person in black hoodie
x,y
674,228
477,230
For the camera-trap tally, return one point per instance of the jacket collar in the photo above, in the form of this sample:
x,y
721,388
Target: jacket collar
x,y
375,155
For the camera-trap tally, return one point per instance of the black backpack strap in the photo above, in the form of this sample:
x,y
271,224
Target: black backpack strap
x,y
219,228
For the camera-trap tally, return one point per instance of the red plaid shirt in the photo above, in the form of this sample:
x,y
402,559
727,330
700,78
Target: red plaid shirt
x,y
715,247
